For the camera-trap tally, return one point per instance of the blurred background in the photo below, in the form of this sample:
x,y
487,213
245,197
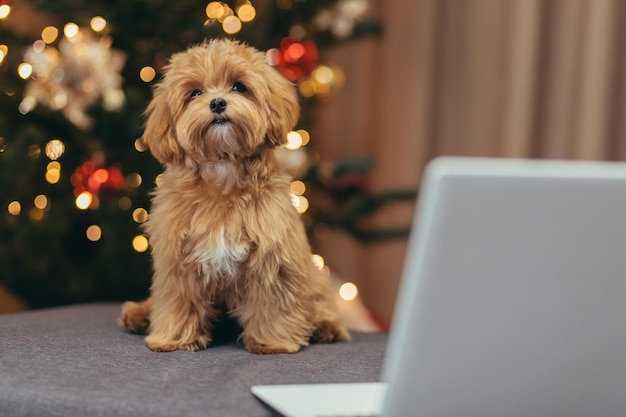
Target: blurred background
x,y
385,86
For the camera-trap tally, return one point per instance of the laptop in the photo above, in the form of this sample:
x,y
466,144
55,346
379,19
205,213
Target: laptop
x,y
513,297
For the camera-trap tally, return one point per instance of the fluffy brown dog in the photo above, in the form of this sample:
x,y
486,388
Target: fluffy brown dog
x,y
223,231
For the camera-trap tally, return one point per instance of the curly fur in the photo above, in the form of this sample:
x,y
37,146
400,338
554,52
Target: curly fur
x,y
223,231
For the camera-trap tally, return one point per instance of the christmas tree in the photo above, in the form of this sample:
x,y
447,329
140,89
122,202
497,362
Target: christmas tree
x,y
74,179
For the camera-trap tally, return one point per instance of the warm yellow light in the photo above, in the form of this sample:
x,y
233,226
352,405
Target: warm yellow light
x,y
94,233
147,74
98,24
84,199
306,87
301,203
318,261
297,187
140,243
53,176
70,30
246,12
231,25
134,180
54,149
158,180
35,214
306,137
4,50
272,56
15,208
348,291
140,145
140,215
323,74
41,201
5,9
49,34
25,70
124,203
294,140
214,10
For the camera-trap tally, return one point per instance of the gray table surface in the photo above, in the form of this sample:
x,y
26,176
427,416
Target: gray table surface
x,y
75,361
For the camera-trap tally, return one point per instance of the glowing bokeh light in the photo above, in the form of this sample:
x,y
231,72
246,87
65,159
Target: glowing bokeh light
x,y
98,24
147,74
140,243
348,291
54,149
294,140
318,261
84,199
49,34
94,233
5,10
24,70
15,208
231,25
70,30
140,215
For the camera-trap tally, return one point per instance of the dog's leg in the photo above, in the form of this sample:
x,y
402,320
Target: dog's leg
x,y
181,314
135,316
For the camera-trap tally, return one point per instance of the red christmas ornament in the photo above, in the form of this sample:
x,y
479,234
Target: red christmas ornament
x,y
90,177
296,58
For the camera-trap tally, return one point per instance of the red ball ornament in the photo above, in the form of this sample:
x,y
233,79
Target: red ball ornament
x,y
296,58
92,178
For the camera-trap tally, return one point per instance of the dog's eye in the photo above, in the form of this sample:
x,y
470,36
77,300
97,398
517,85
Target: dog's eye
x,y
240,88
196,93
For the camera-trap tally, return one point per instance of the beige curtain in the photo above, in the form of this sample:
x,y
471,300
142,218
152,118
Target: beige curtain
x,y
518,78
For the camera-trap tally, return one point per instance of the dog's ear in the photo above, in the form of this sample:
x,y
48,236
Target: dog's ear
x,y
284,107
159,132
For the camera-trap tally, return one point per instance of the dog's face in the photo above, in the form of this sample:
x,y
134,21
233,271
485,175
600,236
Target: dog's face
x,y
220,100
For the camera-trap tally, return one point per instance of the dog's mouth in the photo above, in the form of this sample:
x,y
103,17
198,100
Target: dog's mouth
x,y
219,121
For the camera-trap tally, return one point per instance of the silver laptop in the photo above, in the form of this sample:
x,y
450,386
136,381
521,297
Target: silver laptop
x,y
513,298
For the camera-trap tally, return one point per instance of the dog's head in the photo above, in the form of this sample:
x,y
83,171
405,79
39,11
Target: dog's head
x,y
218,100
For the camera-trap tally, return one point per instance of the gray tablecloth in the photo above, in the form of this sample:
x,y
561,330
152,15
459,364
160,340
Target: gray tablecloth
x,y
75,361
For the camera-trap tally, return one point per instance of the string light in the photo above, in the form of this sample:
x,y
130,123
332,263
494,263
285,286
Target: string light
x,y
35,214
24,70
98,24
140,215
246,12
94,233
15,208
158,180
140,145
214,10
231,25
305,136
297,187
5,10
318,261
41,202
147,74
84,200
70,30
54,149
294,140
4,50
301,203
53,172
49,34
134,180
140,243
348,291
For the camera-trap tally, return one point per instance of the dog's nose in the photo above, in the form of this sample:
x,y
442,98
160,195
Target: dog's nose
x,y
217,105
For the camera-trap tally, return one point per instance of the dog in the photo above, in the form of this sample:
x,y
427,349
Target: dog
x,y
223,232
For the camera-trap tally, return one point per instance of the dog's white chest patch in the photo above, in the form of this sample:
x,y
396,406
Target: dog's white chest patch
x,y
219,257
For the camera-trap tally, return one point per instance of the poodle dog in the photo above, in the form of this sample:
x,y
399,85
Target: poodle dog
x,y
224,234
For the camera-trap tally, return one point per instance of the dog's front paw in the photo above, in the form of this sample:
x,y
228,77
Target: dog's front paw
x,y
268,348
160,345
135,317
329,332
